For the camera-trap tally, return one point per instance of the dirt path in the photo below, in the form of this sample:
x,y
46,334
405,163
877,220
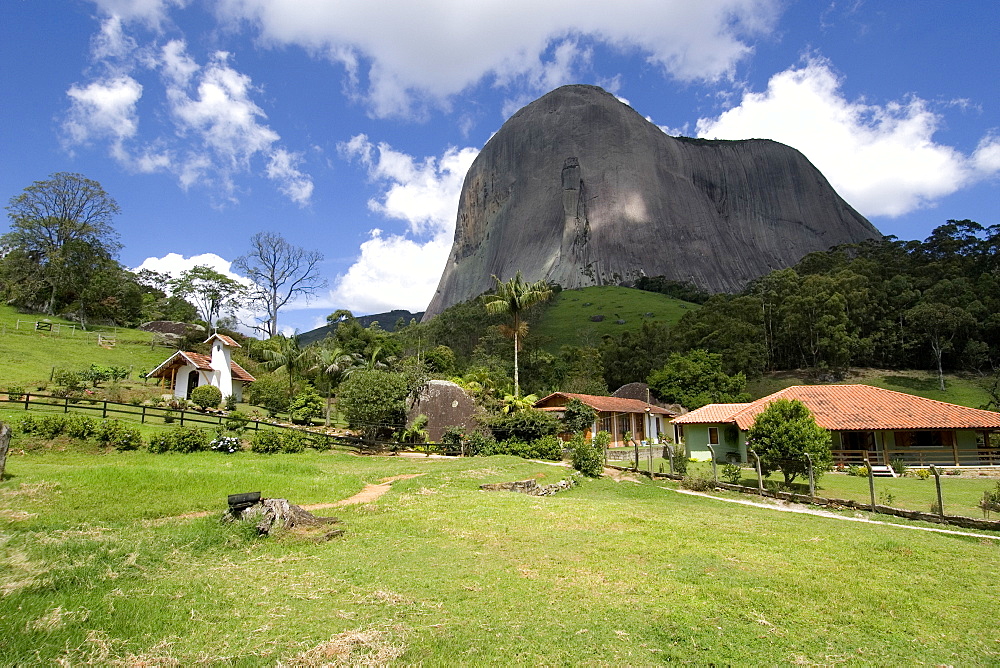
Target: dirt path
x,y
366,495
786,507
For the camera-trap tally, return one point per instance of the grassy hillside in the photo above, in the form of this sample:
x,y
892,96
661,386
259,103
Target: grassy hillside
x,y
29,355
567,320
961,390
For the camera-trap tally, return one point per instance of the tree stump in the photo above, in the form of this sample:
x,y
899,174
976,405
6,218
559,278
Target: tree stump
x,y
279,513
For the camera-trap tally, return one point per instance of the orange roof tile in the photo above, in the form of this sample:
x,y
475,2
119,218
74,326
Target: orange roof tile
x,y
845,407
228,340
601,404
711,413
239,373
200,362
855,407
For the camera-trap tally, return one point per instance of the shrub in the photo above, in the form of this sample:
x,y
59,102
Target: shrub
x,y
860,471
698,484
479,443
206,396
306,405
50,426
230,401
602,439
80,426
899,466
525,425
236,422
587,459
266,442
732,473
189,439
28,424
120,436
453,437
680,461
547,447
923,474
990,503
294,441
69,380
15,392
161,442
578,416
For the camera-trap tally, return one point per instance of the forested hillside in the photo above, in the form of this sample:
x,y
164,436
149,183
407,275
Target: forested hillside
x,y
889,304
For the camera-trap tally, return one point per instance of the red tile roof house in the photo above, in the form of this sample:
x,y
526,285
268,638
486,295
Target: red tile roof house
x,y
614,415
184,371
865,421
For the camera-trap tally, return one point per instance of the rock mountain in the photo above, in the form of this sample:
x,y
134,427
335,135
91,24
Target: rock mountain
x,y
578,189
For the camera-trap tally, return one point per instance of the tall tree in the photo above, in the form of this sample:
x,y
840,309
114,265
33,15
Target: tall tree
x,y
279,272
513,298
696,378
49,215
939,323
211,292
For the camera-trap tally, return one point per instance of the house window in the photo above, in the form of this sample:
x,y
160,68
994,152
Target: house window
x,y
713,435
925,439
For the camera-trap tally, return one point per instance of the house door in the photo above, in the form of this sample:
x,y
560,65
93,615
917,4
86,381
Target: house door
x,y
192,383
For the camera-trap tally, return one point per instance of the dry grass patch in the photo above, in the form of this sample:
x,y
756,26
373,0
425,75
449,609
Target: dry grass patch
x,y
360,647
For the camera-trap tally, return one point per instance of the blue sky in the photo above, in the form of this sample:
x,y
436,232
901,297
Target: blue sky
x,y
348,127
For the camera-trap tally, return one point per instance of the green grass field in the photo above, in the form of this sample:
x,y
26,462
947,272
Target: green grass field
x,y
101,568
567,319
29,356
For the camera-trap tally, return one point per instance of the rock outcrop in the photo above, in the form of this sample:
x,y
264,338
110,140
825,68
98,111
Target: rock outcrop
x,y
578,189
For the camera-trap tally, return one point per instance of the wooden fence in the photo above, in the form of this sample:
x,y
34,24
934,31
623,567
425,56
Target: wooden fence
x,y
165,415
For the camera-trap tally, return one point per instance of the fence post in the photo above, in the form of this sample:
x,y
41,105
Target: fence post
x,y
636,444
66,404
812,479
143,419
27,397
182,417
670,451
871,482
760,477
715,469
937,483
104,411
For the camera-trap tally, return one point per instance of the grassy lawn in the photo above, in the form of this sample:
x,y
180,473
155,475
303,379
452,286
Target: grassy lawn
x,y
567,319
961,493
100,569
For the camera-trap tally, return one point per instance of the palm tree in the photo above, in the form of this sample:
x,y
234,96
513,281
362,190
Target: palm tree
x,y
514,297
286,354
334,364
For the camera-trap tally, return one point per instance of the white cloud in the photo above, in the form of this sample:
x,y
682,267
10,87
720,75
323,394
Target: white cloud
x,y
150,12
882,159
392,272
396,270
104,109
174,264
419,54
217,130
283,168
